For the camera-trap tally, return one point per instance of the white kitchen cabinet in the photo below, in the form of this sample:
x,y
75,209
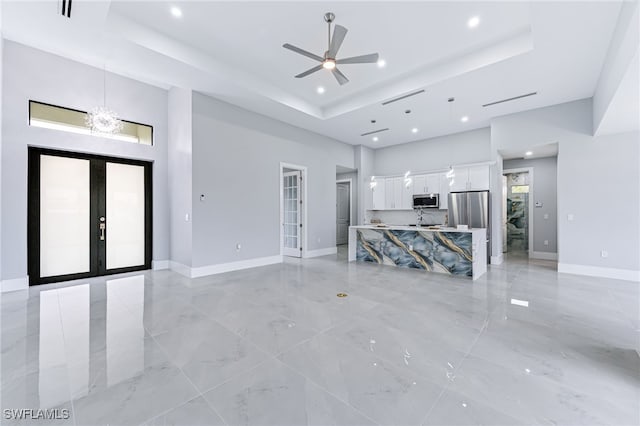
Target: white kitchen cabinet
x,y
407,196
426,184
444,192
389,194
396,194
433,184
478,177
470,178
419,184
378,194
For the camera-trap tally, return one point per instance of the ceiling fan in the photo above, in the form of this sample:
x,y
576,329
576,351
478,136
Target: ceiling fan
x,y
329,61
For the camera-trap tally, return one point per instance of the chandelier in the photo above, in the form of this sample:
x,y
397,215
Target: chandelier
x,y
102,119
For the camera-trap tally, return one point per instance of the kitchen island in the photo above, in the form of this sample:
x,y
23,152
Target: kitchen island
x,y
443,250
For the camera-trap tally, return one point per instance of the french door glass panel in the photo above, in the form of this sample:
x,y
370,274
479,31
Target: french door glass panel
x,y
125,204
291,214
64,216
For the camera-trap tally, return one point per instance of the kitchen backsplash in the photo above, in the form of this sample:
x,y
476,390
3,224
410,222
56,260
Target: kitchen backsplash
x,y
406,217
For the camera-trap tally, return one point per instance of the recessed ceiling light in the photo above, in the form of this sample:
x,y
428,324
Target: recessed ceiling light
x,y
382,63
375,139
320,90
414,130
175,11
464,119
528,153
473,22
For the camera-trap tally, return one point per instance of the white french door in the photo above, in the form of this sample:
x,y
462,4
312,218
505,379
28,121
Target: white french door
x,y
88,216
291,221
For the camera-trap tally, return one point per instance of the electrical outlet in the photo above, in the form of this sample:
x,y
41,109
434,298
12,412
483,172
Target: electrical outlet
x,y
604,254
546,242
238,247
570,217
546,216
186,217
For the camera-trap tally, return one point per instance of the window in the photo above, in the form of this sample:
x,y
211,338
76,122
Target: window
x,y
71,120
520,189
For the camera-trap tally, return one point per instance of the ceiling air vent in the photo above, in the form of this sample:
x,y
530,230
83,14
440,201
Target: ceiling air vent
x,y
375,131
510,99
399,98
66,8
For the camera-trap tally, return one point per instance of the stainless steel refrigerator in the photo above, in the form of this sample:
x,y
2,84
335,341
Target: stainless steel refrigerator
x,y
471,208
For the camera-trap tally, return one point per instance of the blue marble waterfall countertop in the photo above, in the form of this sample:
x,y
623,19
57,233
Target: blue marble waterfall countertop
x,y
442,250
416,228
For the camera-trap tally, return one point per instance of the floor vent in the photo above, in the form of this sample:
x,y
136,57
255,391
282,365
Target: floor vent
x,y
510,99
399,98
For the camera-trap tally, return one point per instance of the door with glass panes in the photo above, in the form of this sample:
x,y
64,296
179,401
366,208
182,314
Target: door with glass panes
x,y
292,224
88,216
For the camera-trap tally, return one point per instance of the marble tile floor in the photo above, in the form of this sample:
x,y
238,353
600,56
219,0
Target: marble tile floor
x,y
275,346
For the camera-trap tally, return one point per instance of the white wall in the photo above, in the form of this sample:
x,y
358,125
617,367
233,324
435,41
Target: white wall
x,y
434,154
354,193
545,192
623,48
180,174
32,74
602,168
236,164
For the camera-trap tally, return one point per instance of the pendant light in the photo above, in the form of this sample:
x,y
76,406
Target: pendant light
x,y
102,119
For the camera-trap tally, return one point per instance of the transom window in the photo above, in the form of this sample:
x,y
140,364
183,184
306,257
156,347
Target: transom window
x,y
74,121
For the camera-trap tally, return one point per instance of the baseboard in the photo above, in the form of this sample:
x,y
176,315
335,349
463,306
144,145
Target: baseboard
x,y
157,265
543,255
220,268
497,260
597,271
14,284
320,252
181,269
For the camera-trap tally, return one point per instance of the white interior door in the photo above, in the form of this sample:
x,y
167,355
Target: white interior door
x,y
342,213
292,198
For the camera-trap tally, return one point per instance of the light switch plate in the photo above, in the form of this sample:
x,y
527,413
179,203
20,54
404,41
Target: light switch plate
x,y
570,217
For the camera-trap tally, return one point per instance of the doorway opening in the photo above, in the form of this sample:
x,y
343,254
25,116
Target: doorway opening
x,y
88,216
517,228
344,210
293,212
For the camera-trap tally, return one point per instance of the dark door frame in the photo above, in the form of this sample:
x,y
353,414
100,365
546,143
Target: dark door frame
x,y
98,206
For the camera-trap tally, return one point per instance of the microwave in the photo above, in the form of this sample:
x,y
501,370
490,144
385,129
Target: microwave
x,y
426,201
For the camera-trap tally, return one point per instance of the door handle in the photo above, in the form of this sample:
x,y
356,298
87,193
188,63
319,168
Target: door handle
x,y
102,227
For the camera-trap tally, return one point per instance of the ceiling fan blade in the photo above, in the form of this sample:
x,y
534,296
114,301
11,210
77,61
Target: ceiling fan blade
x,y
303,52
364,59
309,71
336,41
342,79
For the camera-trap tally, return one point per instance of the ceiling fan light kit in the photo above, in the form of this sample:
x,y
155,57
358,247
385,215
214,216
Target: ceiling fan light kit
x,y
328,61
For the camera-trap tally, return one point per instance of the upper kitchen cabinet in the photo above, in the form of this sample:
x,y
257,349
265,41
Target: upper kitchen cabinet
x,y
479,177
426,184
444,192
397,195
377,191
470,179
